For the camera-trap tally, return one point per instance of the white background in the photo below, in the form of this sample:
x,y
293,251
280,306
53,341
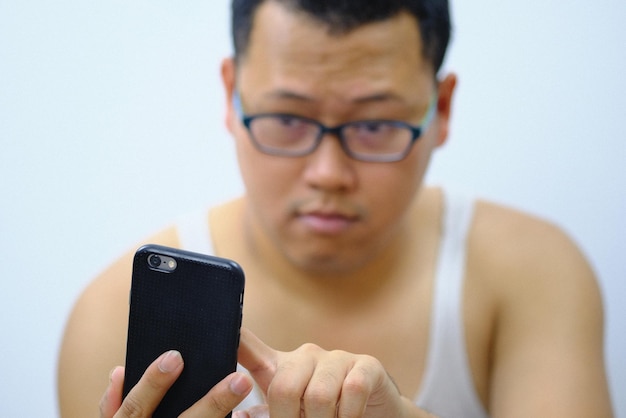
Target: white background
x,y
111,125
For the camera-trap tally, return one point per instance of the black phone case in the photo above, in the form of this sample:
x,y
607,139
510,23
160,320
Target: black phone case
x,y
196,309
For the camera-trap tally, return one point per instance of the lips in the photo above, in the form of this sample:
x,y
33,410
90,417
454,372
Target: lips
x,y
327,220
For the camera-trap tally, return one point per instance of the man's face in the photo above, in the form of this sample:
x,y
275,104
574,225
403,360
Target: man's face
x,y
325,212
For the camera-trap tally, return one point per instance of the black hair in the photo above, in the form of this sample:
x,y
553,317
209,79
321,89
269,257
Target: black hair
x,y
342,16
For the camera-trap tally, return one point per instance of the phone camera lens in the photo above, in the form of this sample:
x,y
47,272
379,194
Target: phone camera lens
x,y
154,260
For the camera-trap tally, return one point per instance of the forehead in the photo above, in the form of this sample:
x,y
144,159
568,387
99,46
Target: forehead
x,y
292,50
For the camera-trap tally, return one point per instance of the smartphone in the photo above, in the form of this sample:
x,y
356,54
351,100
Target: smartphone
x,y
188,302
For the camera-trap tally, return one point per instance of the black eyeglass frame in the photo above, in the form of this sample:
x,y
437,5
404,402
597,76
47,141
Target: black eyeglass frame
x,y
337,131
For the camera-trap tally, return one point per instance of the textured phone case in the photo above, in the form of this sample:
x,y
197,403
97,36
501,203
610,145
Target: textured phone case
x,y
196,309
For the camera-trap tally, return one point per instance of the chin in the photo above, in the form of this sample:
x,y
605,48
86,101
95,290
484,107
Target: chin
x,y
327,264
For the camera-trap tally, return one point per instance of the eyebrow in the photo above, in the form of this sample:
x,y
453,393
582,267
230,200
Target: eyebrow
x,y
379,97
288,94
376,97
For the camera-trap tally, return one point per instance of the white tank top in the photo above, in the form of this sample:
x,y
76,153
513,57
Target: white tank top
x,y
447,388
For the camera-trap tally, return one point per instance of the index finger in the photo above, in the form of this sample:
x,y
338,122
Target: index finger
x,y
258,358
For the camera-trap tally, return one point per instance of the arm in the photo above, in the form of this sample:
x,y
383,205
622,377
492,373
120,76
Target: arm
x,y
548,346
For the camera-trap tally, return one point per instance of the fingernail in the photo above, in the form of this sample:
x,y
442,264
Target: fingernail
x,y
116,370
240,385
170,361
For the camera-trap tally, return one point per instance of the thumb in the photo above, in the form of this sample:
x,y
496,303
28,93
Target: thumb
x,y
258,358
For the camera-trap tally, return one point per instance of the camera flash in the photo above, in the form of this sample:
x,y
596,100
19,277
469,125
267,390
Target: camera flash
x,y
171,264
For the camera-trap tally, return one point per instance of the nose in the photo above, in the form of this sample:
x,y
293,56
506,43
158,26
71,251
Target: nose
x,y
329,168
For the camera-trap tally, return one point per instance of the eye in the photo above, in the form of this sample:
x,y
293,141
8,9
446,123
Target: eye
x,y
289,121
372,128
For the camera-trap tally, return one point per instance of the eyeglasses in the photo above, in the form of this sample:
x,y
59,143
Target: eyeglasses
x,y
288,135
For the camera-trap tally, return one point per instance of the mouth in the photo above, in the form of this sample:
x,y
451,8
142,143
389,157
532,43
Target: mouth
x,y
327,221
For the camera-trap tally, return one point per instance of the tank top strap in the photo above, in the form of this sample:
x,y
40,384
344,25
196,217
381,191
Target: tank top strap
x,y
194,232
447,386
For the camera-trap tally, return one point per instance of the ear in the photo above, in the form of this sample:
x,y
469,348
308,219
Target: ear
x,y
447,87
228,72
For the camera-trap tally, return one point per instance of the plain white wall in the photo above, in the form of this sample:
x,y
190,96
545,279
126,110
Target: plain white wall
x,y
111,125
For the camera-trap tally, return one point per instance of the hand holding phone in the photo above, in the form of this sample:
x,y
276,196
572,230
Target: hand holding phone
x,y
187,302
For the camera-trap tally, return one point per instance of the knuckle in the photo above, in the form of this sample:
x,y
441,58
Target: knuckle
x,y
280,390
153,383
285,385
219,404
355,385
325,388
367,372
310,348
320,396
370,366
370,362
283,381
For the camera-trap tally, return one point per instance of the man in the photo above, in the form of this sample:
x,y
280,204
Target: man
x,y
451,308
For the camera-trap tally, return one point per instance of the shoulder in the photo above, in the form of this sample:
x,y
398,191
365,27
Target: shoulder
x,y
227,228
227,211
102,295
542,287
514,249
